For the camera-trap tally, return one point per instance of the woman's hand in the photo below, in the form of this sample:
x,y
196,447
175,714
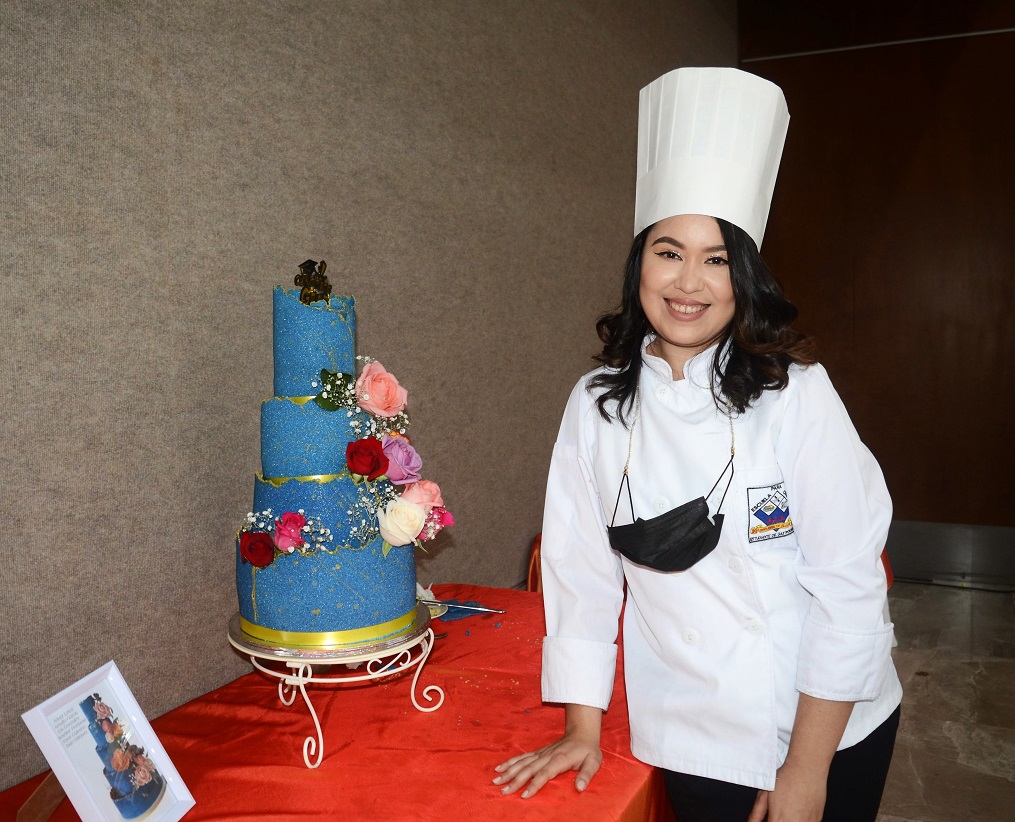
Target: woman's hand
x,y
797,797
578,750
801,783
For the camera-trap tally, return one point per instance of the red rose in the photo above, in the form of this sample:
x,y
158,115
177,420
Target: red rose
x,y
257,548
366,458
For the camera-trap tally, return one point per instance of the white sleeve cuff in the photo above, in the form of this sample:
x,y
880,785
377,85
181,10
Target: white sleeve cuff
x,y
844,666
578,671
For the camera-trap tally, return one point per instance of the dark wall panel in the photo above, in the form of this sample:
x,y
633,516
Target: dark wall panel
x,y
769,28
892,230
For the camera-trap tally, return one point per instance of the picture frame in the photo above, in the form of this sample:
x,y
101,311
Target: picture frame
x,y
103,750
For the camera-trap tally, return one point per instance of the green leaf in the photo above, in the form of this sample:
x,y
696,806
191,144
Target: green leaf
x,y
327,403
334,386
385,547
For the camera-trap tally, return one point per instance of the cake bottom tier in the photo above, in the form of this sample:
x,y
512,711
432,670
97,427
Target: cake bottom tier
x,y
340,595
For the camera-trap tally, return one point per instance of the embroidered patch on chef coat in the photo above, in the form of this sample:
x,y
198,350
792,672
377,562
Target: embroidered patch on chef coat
x,y
768,513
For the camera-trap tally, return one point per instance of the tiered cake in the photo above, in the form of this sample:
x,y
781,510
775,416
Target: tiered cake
x,y
326,557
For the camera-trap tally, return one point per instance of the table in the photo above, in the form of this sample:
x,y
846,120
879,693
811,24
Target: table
x,y
240,751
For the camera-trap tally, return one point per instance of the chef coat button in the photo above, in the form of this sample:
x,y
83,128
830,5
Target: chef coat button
x,y
735,565
661,392
661,505
753,627
690,636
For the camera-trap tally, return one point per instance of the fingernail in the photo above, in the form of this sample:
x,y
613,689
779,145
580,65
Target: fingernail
x,y
496,780
580,784
525,794
505,789
499,768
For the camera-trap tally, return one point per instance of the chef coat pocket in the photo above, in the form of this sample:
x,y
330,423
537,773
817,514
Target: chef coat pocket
x,y
765,512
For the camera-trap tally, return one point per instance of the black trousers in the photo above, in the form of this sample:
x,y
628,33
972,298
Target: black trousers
x,y
856,780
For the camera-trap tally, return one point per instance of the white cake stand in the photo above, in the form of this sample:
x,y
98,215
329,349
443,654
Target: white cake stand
x,y
294,667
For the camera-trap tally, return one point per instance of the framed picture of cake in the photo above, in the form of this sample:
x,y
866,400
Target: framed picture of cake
x,y
105,753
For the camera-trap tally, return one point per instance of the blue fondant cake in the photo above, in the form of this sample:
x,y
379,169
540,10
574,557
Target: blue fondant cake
x,y
339,586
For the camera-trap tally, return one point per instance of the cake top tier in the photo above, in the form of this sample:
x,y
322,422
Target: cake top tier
x,y
311,337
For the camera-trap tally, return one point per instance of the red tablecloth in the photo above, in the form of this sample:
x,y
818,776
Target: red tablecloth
x,y
240,751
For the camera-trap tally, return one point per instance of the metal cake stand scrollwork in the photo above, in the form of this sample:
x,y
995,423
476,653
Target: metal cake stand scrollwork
x,y
295,668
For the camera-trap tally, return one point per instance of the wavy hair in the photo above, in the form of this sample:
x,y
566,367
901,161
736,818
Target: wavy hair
x,y
755,350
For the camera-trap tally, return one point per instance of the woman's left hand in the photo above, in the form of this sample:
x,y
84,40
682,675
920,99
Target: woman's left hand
x,y
801,784
798,797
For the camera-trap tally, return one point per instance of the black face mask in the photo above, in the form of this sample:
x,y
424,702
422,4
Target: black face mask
x,y
673,541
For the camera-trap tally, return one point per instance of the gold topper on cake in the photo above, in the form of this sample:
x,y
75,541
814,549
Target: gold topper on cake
x,y
312,283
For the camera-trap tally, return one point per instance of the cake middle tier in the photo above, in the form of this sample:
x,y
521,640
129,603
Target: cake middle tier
x,y
301,439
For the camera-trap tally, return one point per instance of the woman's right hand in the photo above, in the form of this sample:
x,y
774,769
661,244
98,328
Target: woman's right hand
x,y
578,750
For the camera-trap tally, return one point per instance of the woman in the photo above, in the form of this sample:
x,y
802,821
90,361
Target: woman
x,y
755,644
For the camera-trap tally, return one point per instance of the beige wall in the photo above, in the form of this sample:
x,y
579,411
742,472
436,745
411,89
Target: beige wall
x,y
466,169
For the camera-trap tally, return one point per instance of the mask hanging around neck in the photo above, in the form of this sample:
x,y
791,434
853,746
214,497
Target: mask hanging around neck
x,y
678,539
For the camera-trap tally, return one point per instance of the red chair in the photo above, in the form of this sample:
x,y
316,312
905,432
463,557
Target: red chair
x,y
535,581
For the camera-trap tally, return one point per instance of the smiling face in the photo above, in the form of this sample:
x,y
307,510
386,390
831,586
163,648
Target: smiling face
x,y
685,289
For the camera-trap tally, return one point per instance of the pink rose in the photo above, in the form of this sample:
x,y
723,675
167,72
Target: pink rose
x,y
437,518
444,518
425,492
404,464
378,392
142,776
289,532
102,710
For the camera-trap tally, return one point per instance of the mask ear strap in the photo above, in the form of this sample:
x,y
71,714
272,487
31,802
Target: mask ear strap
x,y
729,466
624,480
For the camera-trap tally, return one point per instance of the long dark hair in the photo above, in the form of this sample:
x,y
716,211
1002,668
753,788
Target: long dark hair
x,y
761,341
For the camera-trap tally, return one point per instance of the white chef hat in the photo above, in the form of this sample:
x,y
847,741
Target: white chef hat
x,y
709,142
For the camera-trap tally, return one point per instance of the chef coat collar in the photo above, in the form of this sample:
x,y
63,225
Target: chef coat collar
x,y
697,370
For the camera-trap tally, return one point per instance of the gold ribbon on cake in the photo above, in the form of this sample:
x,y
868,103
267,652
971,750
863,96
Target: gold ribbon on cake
x,y
321,478
330,639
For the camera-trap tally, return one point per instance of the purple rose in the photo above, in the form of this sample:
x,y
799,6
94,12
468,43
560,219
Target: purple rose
x,y
404,464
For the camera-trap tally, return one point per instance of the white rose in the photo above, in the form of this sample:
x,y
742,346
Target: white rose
x,y
401,521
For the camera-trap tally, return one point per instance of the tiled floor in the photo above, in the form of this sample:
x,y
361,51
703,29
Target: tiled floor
x,y
955,753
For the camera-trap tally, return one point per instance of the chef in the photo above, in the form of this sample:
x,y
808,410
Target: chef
x,y
710,467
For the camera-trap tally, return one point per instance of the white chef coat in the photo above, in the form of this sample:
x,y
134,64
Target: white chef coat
x,y
791,600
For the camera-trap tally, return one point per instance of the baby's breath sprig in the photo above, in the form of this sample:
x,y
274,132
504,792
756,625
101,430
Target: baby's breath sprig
x,y
380,426
316,535
371,497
